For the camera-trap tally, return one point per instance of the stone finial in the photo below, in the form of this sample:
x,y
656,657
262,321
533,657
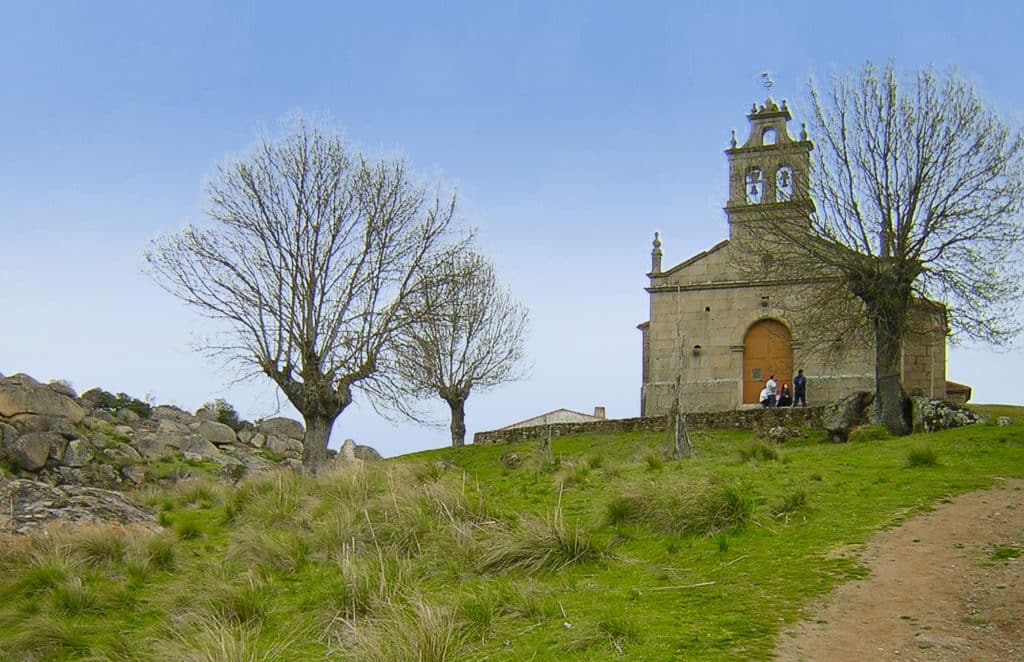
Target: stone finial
x,y
803,130
656,254
753,107
733,141
785,105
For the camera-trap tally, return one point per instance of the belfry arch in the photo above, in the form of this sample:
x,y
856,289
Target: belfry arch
x,y
767,350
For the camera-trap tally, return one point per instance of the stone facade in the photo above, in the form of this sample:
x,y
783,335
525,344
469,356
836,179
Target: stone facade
x,y
715,335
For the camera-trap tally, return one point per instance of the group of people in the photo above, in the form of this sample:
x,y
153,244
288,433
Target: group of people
x,y
773,396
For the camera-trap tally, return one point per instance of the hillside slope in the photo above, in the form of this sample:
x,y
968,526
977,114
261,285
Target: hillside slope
x,y
595,548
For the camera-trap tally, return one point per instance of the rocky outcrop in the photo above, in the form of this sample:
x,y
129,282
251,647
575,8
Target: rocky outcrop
x,y
282,427
932,415
45,434
843,415
23,399
351,451
28,506
214,432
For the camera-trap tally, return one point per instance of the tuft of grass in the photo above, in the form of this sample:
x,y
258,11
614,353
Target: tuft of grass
x,y
160,553
477,613
217,641
244,603
51,636
187,527
195,493
791,503
37,578
869,433
573,475
72,598
430,472
1003,552
620,630
542,545
612,633
622,509
758,451
654,462
921,456
274,549
689,509
419,631
101,546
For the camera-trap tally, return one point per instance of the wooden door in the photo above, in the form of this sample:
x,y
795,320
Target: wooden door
x,y
766,351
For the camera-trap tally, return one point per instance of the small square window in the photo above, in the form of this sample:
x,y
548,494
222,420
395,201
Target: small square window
x,y
756,374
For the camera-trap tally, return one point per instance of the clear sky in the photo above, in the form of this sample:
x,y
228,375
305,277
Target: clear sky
x,y
572,130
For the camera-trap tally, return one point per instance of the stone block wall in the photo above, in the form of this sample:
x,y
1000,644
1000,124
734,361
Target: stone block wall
x,y
744,419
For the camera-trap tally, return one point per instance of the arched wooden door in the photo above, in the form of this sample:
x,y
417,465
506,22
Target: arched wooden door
x,y
766,351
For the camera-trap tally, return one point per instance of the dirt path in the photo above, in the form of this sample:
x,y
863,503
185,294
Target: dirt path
x,y
935,591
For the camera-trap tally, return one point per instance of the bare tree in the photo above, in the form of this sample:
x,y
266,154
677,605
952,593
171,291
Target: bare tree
x,y
473,340
918,190
315,258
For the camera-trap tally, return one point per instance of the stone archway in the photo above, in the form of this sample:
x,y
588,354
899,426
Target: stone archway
x,y
767,350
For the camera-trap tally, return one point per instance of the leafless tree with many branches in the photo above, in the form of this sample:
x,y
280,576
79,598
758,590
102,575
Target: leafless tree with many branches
x,y
473,340
318,258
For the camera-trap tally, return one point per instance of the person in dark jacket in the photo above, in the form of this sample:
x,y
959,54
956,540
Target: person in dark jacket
x,y
800,389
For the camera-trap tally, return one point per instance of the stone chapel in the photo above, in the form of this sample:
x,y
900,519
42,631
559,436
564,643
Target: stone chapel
x,y
714,336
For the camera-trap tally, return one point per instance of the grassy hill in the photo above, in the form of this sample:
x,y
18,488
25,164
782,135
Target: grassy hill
x,y
593,549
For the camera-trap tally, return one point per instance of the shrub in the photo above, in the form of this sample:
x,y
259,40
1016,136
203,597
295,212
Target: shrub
x,y
223,412
922,456
105,400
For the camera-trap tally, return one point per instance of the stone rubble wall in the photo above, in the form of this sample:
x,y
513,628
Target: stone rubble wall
x,y
744,419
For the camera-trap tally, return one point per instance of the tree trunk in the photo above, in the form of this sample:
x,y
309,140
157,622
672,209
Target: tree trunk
x,y
458,426
314,446
889,395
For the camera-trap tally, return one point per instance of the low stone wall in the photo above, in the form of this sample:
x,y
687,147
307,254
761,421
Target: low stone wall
x,y
744,419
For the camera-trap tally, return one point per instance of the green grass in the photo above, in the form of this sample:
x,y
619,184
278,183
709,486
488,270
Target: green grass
x,y
922,456
595,549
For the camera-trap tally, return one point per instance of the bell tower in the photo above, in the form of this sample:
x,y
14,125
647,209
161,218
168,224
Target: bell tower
x,y
768,174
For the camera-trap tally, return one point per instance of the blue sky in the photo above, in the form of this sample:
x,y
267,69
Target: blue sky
x,y
571,130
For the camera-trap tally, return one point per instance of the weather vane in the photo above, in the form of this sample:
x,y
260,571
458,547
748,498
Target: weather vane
x,y
766,77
